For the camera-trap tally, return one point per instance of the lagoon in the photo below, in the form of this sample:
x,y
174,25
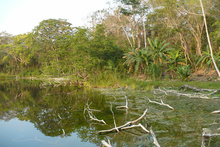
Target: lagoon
x,y
37,113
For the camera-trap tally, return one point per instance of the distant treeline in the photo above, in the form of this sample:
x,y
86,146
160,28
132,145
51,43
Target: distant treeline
x,y
141,37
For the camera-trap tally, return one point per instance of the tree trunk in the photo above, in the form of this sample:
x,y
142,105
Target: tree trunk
x,y
207,33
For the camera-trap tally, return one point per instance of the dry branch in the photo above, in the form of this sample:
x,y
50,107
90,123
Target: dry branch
x,y
91,115
193,95
161,103
187,87
130,123
126,104
113,115
105,144
207,134
134,126
215,112
154,137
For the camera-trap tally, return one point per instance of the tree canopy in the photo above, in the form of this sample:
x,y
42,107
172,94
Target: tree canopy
x,y
56,48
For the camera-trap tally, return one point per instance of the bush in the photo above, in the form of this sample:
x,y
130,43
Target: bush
x,y
184,72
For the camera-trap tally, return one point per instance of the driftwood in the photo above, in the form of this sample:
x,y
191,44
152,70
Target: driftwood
x,y
127,125
192,95
105,144
215,112
187,87
91,115
154,137
207,134
161,104
126,104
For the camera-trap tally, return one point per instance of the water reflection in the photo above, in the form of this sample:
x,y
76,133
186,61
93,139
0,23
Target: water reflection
x,y
54,110
55,113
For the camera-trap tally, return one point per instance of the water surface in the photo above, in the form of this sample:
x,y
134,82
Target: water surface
x,y
35,113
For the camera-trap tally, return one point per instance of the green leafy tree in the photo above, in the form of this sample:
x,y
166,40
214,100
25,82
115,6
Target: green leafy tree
x,y
103,49
52,38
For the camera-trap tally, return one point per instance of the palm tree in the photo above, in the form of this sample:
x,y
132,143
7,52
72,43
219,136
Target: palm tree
x,y
137,58
158,51
206,59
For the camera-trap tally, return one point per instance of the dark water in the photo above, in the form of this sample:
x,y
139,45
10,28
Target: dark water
x,y
34,113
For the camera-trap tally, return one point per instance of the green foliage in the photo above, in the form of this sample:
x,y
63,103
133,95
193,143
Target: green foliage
x,y
155,71
206,59
55,48
184,72
159,51
137,58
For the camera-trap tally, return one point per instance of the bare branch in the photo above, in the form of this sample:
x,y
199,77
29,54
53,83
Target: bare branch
x,y
215,112
91,115
134,126
162,103
105,144
130,123
126,104
186,87
207,134
114,119
192,95
154,137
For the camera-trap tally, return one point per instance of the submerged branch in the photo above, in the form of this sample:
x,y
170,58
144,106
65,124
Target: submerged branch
x,y
126,104
105,144
125,126
215,112
154,137
91,115
187,87
207,134
134,126
193,95
162,103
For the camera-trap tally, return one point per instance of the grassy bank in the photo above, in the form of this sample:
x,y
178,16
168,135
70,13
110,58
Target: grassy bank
x,y
107,80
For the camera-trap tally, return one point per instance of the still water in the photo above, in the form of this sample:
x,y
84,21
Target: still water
x,y
35,113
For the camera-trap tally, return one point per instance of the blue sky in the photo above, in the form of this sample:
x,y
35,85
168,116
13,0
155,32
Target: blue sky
x,y
21,16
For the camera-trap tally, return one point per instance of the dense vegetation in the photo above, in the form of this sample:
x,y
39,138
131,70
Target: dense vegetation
x,y
148,39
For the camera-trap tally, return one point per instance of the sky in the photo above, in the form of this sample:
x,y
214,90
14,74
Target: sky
x,y
21,16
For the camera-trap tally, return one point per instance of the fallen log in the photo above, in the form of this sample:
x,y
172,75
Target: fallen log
x,y
187,87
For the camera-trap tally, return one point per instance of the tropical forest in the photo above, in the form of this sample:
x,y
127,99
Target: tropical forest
x,y
155,62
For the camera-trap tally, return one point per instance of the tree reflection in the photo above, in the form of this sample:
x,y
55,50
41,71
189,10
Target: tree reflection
x,y
54,110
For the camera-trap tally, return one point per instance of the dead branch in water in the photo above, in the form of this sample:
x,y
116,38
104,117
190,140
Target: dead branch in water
x,y
187,87
113,115
126,104
127,125
162,103
192,95
91,115
207,134
215,112
105,144
154,137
